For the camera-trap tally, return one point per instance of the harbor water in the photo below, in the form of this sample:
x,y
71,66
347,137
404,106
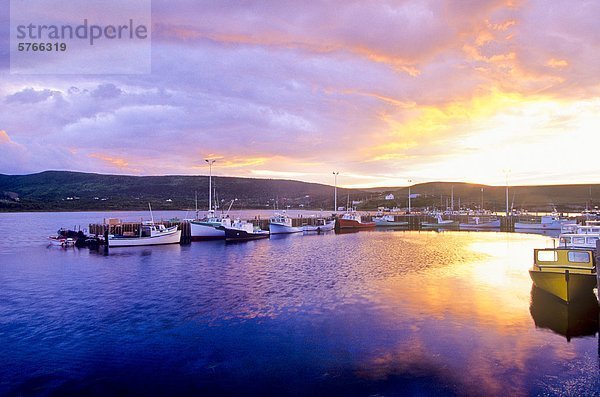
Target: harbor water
x,y
374,313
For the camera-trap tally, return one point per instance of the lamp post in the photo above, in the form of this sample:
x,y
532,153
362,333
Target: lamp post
x,y
409,181
506,172
210,163
335,174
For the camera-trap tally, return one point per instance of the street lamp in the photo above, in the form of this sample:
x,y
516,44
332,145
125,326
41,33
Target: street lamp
x,y
506,172
409,181
335,174
210,163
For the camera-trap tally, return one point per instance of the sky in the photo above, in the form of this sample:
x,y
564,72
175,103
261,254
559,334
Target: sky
x,y
388,93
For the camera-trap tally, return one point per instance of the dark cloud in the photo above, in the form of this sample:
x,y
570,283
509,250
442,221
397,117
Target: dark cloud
x,y
31,95
106,91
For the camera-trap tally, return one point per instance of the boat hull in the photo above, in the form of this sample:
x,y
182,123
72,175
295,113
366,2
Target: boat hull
x,y
381,223
352,224
565,285
204,231
538,226
482,225
242,235
443,224
276,228
171,238
329,226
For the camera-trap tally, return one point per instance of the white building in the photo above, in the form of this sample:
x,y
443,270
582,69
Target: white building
x,y
389,197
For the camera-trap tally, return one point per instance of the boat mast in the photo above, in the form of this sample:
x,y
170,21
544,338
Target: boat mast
x,y
335,175
151,215
210,163
196,194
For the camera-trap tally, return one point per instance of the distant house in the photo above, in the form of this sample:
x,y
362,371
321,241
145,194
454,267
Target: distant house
x,y
389,197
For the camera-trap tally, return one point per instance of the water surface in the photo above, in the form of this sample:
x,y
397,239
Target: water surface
x,y
372,313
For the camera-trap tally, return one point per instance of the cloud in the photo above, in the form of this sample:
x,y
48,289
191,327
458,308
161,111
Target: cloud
x,y
108,90
31,95
382,91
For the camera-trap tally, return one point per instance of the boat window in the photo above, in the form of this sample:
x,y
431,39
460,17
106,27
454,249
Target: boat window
x,y
578,240
592,240
565,240
579,257
547,256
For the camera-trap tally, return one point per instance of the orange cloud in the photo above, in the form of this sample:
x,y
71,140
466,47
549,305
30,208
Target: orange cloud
x,y
557,63
4,138
114,161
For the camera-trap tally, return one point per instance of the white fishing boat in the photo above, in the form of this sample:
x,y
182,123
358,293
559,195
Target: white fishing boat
x,y
281,223
481,222
320,225
149,234
547,222
208,228
578,240
440,222
388,220
241,230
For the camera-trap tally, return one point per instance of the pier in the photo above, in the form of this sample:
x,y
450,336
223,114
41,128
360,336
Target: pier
x,y
117,227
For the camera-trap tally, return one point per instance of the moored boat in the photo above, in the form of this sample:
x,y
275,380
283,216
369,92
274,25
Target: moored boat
x,y
320,225
149,234
564,273
208,228
243,230
353,220
480,222
578,240
547,222
388,220
439,222
282,224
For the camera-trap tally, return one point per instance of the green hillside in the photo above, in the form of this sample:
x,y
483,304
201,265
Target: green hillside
x,y
63,190
77,191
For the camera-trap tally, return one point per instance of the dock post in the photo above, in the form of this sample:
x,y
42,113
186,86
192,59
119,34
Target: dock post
x,y
106,241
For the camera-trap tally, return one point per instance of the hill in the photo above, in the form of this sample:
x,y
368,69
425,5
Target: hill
x,y
78,191
541,198
71,191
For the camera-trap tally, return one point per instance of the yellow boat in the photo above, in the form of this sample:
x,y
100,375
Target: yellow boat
x,y
565,273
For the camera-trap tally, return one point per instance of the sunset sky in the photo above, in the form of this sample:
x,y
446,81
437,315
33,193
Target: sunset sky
x,y
381,91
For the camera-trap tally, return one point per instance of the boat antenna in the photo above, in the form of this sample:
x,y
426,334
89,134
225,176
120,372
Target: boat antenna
x,y
151,215
196,204
230,204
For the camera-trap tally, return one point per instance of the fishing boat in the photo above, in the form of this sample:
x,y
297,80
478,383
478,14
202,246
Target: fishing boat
x,y
388,220
281,223
578,240
439,222
208,228
241,230
480,222
149,234
320,225
547,222
353,220
565,273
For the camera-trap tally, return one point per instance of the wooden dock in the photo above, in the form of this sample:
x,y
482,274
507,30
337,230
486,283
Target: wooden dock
x,y
113,226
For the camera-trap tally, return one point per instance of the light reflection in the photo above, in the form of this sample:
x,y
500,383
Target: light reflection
x,y
467,318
